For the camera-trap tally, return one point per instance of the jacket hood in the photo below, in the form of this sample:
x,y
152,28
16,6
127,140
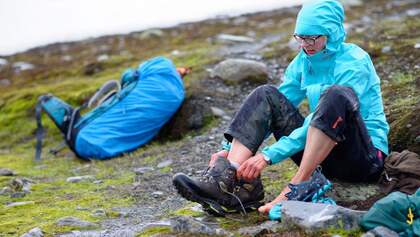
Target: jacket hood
x,y
323,17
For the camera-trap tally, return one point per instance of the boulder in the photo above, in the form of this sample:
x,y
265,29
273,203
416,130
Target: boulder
x,y
234,71
318,216
226,38
260,230
22,66
74,222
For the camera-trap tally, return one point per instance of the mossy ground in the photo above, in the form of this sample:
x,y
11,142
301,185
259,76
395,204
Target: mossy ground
x,y
54,198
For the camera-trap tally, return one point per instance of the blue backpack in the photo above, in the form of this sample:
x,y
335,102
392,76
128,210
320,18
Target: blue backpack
x,y
128,114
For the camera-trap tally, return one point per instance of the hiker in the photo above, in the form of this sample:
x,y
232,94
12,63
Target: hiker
x,y
345,133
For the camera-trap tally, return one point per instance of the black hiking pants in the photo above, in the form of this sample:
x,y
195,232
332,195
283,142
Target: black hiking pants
x,y
266,111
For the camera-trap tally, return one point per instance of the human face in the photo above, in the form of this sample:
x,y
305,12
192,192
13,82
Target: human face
x,y
311,44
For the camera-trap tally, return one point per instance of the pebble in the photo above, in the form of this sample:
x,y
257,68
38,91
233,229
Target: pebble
x,y
164,164
35,232
157,194
77,179
143,170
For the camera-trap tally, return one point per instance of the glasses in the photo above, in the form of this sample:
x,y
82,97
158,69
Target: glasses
x,y
310,40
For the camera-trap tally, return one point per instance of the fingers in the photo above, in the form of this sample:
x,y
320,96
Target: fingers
x,y
249,170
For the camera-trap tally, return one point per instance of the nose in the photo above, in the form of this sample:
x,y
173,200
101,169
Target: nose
x,y
304,44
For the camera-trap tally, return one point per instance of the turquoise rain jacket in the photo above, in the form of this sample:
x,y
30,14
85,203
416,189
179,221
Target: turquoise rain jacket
x,y
338,64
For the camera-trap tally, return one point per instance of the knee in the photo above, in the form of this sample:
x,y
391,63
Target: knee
x,y
337,92
340,95
267,91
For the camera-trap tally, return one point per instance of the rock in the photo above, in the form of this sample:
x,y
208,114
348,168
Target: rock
x,y
77,179
91,233
67,58
353,3
151,33
3,62
74,222
217,112
188,225
226,38
22,66
102,57
93,68
35,232
21,184
417,46
6,172
164,164
18,195
381,231
413,12
143,170
98,181
99,213
157,194
5,191
293,44
5,82
316,216
417,140
386,49
237,70
17,204
260,230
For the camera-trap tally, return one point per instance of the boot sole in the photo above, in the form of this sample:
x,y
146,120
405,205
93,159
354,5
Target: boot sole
x,y
209,205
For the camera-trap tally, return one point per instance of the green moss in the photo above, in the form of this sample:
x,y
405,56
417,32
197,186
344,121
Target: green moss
x,y
153,231
187,211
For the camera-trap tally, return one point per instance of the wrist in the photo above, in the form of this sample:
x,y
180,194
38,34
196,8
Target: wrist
x,y
267,159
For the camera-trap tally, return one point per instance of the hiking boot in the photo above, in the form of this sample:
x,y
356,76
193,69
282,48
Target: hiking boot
x,y
218,190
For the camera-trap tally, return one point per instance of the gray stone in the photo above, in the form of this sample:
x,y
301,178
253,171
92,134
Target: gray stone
x,y
5,82
143,170
316,216
417,140
99,213
21,184
293,44
381,231
260,230
157,194
3,62
92,233
353,2
217,112
6,172
150,33
413,12
18,195
67,58
164,164
35,232
5,190
74,222
417,46
386,49
237,70
188,225
227,38
77,179
102,57
22,66
17,204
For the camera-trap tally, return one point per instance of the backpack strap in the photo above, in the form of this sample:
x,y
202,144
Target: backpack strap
x,y
105,92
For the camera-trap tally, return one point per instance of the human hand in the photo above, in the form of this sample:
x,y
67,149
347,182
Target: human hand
x,y
252,167
222,153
